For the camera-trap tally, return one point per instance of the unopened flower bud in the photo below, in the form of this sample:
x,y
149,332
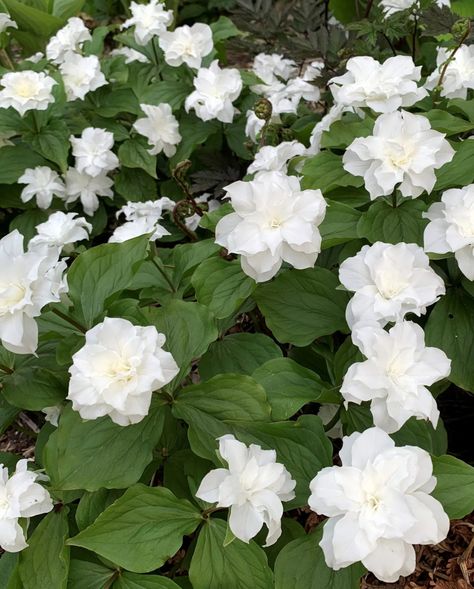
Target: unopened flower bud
x,y
460,28
263,109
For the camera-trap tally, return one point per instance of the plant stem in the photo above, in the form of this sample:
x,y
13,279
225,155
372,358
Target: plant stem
x,y
5,60
155,53
369,8
6,369
451,57
163,273
415,32
69,319
394,199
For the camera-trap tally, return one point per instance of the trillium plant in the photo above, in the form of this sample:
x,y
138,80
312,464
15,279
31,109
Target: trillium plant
x,y
236,297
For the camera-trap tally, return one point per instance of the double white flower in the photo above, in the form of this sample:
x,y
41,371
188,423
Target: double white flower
x,y
61,229
142,218
383,87
378,504
187,45
67,41
117,370
215,91
395,375
451,227
269,158
389,281
20,497
274,222
81,75
253,486
28,281
403,151
26,90
459,75
42,183
87,189
93,152
160,127
149,20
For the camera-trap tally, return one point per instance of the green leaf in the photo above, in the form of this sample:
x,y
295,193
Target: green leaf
x,y
301,564
172,92
221,286
382,222
194,132
455,485
189,329
134,154
342,133
446,123
27,221
208,409
102,271
135,184
325,171
290,386
31,19
302,446
463,7
223,28
345,12
7,414
35,387
53,143
45,563
239,353
15,159
141,530
63,9
133,581
450,327
84,574
339,224
99,453
418,432
459,171
91,505
109,104
8,567
302,305
236,566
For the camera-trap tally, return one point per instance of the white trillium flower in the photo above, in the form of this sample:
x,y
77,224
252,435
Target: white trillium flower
x,y
43,183
28,282
6,22
269,158
379,505
26,90
80,185
395,375
117,370
389,281
61,229
20,497
274,222
141,218
383,87
451,227
187,45
130,55
149,20
271,67
81,75
285,98
67,40
391,7
459,76
216,89
160,127
253,486
403,151
93,151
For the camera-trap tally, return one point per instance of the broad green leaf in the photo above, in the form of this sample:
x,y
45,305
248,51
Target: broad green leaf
x,y
183,472
102,271
53,143
418,432
302,305
459,171
301,564
141,530
239,353
45,563
110,104
134,154
455,485
128,580
172,92
27,221
99,453
33,20
135,184
339,224
290,386
342,133
450,327
302,446
346,354
447,123
63,9
84,574
35,387
222,286
194,132
345,11
463,7
325,171
189,329
210,407
7,414
91,505
15,159
235,566
383,222
8,566
223,28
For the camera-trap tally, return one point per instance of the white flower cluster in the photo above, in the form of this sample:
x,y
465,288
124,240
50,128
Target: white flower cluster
x,y
142,218
29,281
20,497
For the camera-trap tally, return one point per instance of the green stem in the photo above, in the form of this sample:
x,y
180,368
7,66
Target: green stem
x,y
451,57
394,199
155,53
5,60
6,369
69,319
162,272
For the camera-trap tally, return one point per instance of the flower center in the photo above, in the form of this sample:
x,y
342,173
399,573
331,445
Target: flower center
x,y
26,88
10,295
275,223
120,370
399,155
373,502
